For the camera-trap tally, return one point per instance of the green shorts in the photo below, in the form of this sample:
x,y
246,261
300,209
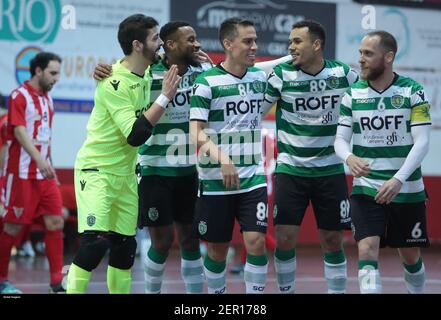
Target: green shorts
x,y
106,202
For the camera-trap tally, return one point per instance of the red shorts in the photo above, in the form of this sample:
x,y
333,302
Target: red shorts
x,y
27,199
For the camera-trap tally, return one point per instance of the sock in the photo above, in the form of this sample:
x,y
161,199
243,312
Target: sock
x,y
215,274
154,266
414,276
77,279
119,280
6,243
255,271
192,271
335,271
285,265
53,241
369,278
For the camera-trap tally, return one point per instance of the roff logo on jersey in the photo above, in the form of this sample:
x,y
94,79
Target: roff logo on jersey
x,y
29,20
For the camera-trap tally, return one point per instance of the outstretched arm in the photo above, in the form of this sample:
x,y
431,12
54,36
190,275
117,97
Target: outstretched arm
x,y
268,66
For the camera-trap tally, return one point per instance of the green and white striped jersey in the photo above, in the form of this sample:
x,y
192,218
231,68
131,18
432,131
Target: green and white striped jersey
x,y
307,112
231,106
381,123
168,152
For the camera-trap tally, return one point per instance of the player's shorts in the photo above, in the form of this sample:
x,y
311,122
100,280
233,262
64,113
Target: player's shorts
x,y
216,214
399,225
328,195
28,199
106,202
164,200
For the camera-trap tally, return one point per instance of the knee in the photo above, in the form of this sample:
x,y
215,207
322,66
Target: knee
x,y
122,251
332,240
255,243
410,256
189,243
218,251
163,243
367,250
92,249
285,238
12,229
54,223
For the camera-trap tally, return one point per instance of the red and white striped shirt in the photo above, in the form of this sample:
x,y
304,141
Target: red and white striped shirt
x,y
34,110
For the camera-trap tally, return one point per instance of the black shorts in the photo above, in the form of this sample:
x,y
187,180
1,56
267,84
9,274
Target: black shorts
x,y
328,195
215,215
164,200
399,225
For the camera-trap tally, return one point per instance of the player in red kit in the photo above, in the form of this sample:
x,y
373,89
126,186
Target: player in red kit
x,y
3,148
31,190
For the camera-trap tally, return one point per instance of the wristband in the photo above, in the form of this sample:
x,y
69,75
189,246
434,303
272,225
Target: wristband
x,y
162,100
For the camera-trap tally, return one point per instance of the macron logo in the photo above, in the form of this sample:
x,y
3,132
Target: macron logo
x,y
115,84
420,93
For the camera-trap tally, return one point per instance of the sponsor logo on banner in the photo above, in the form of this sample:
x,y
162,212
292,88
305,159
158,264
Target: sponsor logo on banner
x,y
22,63
29,20
273,21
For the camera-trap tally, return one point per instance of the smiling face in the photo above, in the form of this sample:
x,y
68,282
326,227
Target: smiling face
x,y
302,47
186,45
373,58
243,47
151,45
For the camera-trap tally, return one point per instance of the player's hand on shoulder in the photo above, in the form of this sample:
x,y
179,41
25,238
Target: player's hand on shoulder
x,y
171,82
102,71
203,57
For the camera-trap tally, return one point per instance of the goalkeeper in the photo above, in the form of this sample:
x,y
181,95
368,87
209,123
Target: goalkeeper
x,y
105,181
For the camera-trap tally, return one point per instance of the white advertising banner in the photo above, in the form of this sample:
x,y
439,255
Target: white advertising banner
x,y
419,42
82,32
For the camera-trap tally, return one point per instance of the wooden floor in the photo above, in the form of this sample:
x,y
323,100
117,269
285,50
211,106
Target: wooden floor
x,y
31,275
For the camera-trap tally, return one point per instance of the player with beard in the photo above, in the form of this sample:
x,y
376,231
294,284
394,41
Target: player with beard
x,y
168,186
31,189
105,181
388,118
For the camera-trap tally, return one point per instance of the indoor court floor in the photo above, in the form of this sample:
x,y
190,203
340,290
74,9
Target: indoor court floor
x,y
31,274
